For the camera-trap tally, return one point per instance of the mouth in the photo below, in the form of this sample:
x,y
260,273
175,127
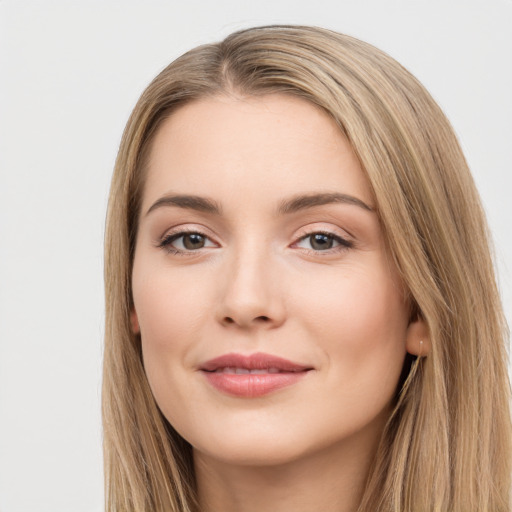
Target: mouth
x,y
246,371
252,376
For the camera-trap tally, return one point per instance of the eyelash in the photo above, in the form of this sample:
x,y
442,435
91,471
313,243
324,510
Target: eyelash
x,y
166,242
344,244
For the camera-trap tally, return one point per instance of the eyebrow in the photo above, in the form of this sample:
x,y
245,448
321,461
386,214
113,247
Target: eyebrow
x,y
293,205
190,202
302,202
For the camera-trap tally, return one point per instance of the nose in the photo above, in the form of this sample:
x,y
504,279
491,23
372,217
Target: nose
x,y
252,296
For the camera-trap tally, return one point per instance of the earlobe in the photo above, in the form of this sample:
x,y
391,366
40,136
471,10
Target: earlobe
x,y
418,338
134,320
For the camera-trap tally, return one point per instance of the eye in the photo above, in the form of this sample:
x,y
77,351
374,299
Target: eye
x,y
320,241
185,241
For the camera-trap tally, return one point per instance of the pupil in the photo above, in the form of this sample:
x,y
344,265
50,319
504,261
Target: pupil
x,y
321,242
193,241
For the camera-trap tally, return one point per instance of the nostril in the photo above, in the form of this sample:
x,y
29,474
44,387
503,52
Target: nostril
x,y
259,319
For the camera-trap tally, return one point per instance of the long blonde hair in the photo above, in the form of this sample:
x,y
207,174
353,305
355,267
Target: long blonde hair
x,y
447,445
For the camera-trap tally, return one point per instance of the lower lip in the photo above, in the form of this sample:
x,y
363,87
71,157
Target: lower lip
x,y
252,385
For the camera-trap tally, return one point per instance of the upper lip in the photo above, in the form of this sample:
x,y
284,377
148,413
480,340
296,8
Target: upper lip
x,y
257,361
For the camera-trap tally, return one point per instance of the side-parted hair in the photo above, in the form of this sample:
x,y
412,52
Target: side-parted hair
x,y
447,446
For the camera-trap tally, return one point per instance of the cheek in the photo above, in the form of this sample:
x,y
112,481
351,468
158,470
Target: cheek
x,y
169,309
169,312
360,321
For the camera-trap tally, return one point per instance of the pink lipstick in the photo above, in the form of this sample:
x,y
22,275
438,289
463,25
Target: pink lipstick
x,y
252,376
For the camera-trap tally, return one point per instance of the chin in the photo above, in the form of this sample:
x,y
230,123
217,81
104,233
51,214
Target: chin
x,y
253,452
260,441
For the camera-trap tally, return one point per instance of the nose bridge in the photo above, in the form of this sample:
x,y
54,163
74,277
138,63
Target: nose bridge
x,y
251,294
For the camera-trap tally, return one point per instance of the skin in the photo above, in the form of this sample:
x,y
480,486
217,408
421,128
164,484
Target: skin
x,y
260,284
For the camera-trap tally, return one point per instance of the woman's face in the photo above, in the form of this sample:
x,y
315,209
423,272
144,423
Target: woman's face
x,y
273,323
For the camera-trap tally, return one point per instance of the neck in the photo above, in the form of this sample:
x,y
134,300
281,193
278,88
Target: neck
x,y
331,480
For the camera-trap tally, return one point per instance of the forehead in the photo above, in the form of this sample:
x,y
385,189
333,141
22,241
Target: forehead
x,y
239,148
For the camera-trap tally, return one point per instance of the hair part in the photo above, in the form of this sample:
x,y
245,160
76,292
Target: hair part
x,y
448,442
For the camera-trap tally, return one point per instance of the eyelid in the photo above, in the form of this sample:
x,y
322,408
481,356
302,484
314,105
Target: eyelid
x,y
344,242
186,228
321,227
172,234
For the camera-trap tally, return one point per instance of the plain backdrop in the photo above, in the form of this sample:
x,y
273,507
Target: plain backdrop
x,y
70,72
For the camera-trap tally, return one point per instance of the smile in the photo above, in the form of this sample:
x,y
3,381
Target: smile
x,y
252,376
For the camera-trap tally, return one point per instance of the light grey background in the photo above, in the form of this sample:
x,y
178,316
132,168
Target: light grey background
x,y
70,72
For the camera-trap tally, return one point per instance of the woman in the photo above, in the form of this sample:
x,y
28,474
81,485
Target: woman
x,y
301,306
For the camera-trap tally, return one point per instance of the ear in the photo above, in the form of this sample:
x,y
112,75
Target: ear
x,y
134,320
418,338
